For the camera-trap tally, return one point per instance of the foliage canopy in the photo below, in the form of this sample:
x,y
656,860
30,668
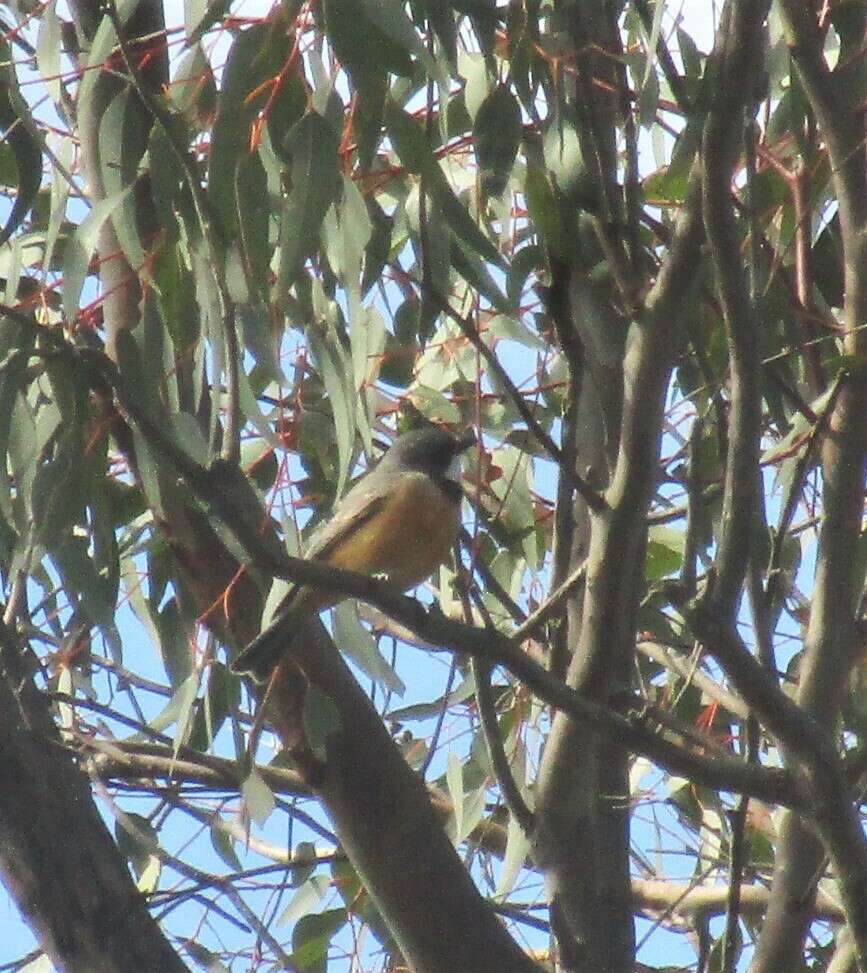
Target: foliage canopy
x,y
241,253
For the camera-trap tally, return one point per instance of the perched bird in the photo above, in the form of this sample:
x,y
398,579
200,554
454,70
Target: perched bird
x,y
399,520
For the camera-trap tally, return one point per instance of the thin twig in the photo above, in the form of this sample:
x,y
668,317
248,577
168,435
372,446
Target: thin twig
x,y
666,61
549,606
590,496
737,858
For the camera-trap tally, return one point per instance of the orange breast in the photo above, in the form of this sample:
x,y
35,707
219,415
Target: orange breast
x,y
408,539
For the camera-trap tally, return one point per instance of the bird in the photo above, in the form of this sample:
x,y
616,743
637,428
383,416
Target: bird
x,y
398,521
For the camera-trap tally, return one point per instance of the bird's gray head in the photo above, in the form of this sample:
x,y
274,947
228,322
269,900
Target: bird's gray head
x,y
431,450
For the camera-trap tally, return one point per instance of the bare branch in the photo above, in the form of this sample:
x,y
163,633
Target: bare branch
x,y
100,924
740,57
808,747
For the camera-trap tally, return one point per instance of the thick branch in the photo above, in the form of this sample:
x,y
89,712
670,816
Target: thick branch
x,y
831,647
231,499
77,895
809,749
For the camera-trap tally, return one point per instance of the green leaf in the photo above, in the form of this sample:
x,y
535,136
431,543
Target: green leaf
x,y
258,797
379,247
517,514
178,710
355,640
795,441
716,957
258,338
305,900
60,489
424,711
497,134
523,263
664,552
346,231
80,248
506,326
224,846
303,851
221,699
166,182
178,307
136,838
205,958
434,405
335,368
415,153
122,143
19,133
42,964
442,20
254,208
689,54
14,464
517,851
467,263
455,784
358,901
438,238
199,15
311,148
321,720
366,52
545,213
193,89
257,54
666,186
311,938
63,149
48,47
186,696
474,69
391,19
8,166
174,643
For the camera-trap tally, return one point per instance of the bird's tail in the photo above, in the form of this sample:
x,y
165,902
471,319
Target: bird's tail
x,y
260,657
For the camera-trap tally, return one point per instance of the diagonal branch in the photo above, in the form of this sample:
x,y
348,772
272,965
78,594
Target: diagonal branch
x,y
809,749
98,924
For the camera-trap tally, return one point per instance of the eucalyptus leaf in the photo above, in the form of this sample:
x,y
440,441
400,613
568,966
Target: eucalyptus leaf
x,y
497,134
19,132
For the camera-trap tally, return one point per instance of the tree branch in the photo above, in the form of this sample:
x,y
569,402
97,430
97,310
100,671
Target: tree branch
x,y
741,57
831,647
512,795
98,924
807,748
230,498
